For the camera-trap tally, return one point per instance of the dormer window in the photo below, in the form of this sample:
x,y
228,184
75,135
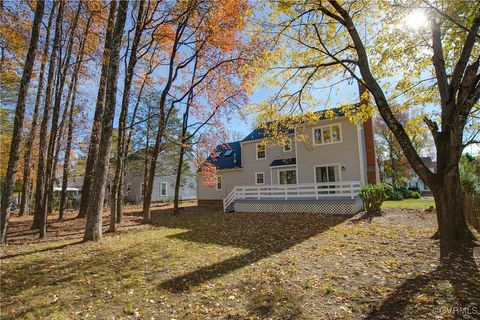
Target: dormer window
x,y
261,151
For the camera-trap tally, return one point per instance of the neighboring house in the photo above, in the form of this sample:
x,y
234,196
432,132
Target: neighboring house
x,y
164,183
163,188
413,181
74,186
321,173
77,183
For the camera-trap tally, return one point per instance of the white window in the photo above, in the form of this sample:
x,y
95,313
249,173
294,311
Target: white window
x,y
329,173
259,178
219,183
287,176
327,134
163,188
287,146
261,151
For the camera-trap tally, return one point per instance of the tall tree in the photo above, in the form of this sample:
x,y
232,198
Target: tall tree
x,y
51,154
203,28
117,188
18,122
326,38
24,201
93,229
71,115
97,118
40,189
164,109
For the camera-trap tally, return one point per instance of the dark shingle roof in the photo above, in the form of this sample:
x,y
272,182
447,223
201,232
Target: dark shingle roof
x,y
283,162
256,134
229,161
259,133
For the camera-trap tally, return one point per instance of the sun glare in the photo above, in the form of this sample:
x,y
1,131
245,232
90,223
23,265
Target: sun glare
x,y
416,20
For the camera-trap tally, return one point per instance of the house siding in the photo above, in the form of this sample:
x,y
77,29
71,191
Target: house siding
x,y
230,179
187,192
346,153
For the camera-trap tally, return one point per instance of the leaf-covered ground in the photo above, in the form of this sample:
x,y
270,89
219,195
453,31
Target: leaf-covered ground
x,y
204,264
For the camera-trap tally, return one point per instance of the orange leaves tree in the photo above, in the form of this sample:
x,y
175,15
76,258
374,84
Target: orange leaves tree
x,y
205,55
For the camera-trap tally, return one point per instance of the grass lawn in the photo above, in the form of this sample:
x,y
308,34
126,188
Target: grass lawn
x,y
204,264
423,203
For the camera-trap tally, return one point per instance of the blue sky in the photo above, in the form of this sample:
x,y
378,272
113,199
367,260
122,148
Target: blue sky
x,y
344,92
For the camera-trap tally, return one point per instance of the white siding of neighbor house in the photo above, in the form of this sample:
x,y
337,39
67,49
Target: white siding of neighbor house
x,y
188,188
349,153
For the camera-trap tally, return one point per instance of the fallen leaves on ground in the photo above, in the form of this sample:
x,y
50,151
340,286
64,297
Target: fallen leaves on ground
x,y
204,264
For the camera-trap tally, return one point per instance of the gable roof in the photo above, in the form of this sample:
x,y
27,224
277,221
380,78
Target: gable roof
x,y
259,133
227,160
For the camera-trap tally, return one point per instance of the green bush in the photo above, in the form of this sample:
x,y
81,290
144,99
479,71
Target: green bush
x,y
56,203
414,195
395,195
373,196
404,192
70,203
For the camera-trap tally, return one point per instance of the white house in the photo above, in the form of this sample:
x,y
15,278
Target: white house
x,y
413,181
323,173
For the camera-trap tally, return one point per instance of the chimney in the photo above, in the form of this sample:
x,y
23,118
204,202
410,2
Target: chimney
x,y
368,135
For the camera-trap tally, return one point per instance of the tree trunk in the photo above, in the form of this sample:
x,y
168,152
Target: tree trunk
x,y
40,188
52,156
178,179
446,187
97,118
27,167
73,87
458,93
117,187
162,122
18,122
63,195
392,163
127,147
93,230
146,164
57,147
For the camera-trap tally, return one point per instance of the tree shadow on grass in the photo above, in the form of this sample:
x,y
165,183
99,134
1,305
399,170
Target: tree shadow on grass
x,y
459,270
264,234
40,250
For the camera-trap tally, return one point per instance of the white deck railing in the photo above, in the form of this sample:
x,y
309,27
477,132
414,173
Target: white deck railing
x,y
301,191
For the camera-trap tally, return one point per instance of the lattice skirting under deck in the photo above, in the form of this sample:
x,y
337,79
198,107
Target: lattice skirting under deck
x,y
350,206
